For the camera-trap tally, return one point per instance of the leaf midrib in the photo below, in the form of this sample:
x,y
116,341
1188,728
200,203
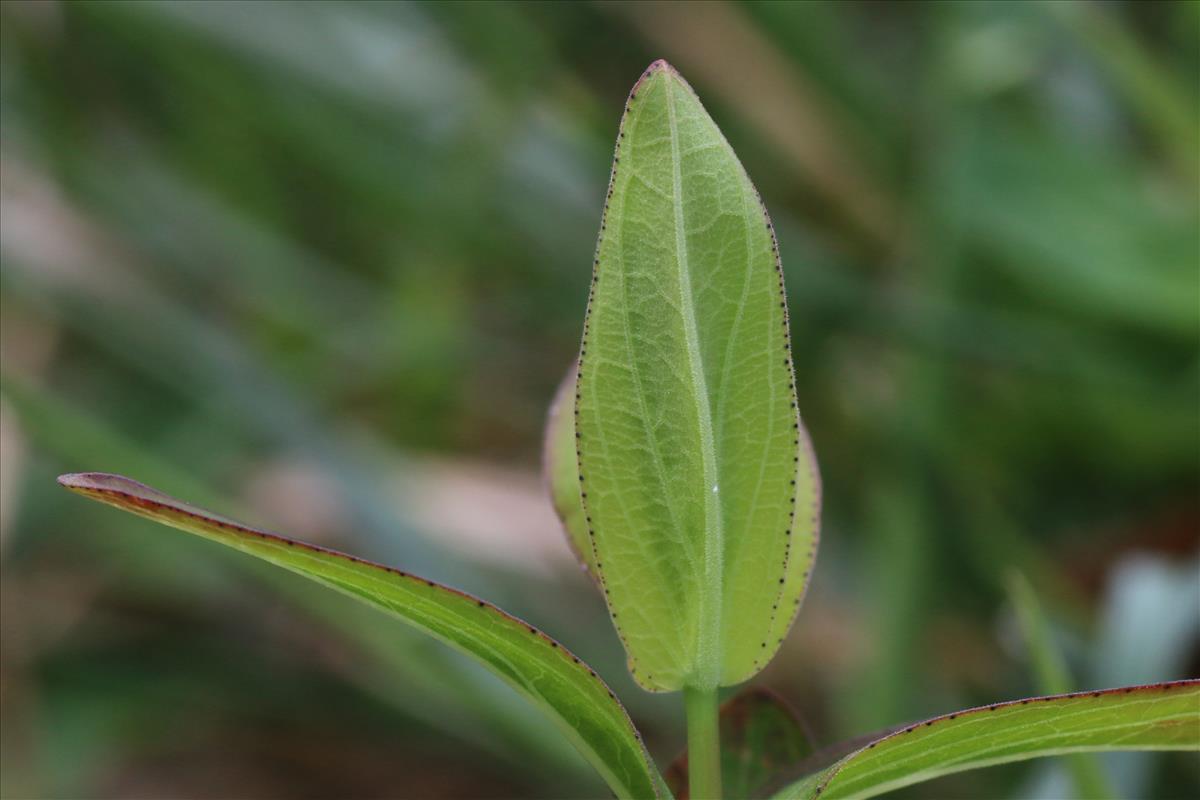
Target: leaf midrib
x,y
711,585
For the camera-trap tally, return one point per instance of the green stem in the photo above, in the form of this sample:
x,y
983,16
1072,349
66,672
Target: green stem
x,y
704,744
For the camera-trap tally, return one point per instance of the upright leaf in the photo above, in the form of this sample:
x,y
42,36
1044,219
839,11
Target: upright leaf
x,y
697,483
565,688
1164,716
561,472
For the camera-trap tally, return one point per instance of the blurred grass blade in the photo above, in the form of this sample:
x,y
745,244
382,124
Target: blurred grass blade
x,y
688,433
537,666
760,735
1166,105
719,43
1053,677
1163,716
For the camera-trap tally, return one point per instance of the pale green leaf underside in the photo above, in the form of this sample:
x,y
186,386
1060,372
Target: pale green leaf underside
x,y
560,463
534,664
1159,717
562,477
689,435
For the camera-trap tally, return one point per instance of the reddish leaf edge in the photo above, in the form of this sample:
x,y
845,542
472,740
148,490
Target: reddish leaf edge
x,y
103,486
127,494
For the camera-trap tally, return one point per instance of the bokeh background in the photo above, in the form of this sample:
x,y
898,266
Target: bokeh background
x,y
322,265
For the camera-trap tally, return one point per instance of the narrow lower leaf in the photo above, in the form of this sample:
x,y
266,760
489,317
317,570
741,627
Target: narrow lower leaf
x,y
1163,716
534,664
688,435
760,737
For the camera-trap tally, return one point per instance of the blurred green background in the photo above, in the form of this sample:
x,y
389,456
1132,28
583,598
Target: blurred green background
x,y
322,265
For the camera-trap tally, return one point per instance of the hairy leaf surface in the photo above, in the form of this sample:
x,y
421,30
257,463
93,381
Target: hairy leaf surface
x,y
534,664
1164,716
689,438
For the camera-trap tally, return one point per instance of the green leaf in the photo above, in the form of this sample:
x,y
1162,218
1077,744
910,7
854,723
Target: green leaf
x,y
1163,716
565,688
689,435
430,684
560,467
760,735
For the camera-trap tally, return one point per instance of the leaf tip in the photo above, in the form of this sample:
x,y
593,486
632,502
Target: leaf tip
x,y
78,480
105,484
657,66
